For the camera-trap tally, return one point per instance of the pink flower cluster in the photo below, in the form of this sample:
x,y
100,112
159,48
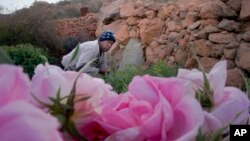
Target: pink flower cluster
x,y
153,108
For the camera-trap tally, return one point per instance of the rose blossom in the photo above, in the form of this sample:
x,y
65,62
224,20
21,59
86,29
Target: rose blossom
x,y
14,84
231,105
48,79
153,109
19,120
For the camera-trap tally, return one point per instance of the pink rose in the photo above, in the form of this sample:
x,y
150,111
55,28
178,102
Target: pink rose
x,y
229,102
20,121
47,81
14,84
86,111
153,109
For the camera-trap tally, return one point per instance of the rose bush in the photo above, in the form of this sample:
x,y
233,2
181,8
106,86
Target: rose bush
x,y
153,108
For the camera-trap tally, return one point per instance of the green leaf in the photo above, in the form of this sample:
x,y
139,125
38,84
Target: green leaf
x,y
61,118
53,100
200,136
217,136
73,131
44,58
39,101
74,55
206,84
83,98
206,95
58,96
247,83
4,58
208,136
70,100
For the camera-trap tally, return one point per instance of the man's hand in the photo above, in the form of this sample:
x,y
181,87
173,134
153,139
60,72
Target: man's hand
x,y
104,70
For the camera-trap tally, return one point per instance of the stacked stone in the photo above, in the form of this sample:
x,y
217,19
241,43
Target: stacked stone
x,y
174,32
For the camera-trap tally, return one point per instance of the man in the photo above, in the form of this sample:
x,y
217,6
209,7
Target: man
x,y
89,51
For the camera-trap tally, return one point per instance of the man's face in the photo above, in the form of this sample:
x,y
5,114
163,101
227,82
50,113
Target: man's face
x,y
106,45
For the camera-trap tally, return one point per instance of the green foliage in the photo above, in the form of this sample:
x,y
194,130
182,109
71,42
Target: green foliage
x,y
216,136
160,69
119,80
38,25
34,25
205,95
5,34
27,56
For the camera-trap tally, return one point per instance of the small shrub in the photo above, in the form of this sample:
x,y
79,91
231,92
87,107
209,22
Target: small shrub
x,y
120,80
27,56
160,69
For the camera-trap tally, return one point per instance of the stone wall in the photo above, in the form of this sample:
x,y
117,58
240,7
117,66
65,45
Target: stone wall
x,y
213,30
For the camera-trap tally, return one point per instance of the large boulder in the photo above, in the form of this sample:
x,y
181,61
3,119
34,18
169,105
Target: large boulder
x,y
132,55
114,55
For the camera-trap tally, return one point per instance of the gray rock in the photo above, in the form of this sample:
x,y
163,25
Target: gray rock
x,y
229,25
132,55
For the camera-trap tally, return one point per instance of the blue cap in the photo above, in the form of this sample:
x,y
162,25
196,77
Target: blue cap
x,y
107,35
